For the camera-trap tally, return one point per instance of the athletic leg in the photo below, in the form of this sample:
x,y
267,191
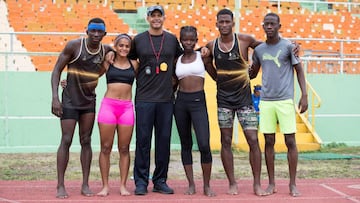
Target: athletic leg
x,y
268,125
67,129
200,120
183,123
248,120
124,139
86,124
292,156
106,140
226,119
270,159
228,159
255,160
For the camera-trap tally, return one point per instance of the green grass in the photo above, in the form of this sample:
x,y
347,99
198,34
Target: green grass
x,y
42,166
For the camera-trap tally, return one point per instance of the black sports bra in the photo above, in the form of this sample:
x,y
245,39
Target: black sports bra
x,y
117,75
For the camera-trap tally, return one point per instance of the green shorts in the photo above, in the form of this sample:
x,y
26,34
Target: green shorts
x,y
277,112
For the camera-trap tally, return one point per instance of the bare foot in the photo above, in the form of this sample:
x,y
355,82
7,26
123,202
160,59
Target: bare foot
x,y
259,191
61,192
85,190
124,191
104,192
293,191
208,192
191,190
233,189
271,189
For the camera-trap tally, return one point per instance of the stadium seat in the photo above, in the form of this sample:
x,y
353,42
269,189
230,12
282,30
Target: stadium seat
x,y
297,21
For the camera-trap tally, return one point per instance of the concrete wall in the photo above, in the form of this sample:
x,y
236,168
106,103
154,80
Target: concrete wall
x,y
27,125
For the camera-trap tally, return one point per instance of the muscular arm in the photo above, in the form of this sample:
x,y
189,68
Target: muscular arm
x,y
303,103
109,59
246,42
255,67
254,70
135,64
208,61
209,66
64,58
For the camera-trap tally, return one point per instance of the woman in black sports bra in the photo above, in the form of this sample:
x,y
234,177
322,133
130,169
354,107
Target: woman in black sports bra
x,y
117,113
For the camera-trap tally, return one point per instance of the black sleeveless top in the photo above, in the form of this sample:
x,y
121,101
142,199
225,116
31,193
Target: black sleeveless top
x,y
83,73
233,81
117,75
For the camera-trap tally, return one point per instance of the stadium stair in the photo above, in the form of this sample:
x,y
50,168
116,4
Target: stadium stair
x,y
306,137
137,20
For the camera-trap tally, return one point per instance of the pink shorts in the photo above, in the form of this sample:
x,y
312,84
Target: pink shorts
x,y
115,111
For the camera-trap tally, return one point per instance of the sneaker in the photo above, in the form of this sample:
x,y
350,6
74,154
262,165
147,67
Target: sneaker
x,y
141,190
163,188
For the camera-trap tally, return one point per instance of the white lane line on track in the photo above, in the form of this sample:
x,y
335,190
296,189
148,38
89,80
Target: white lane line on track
x,y
344,195
7,200
354,186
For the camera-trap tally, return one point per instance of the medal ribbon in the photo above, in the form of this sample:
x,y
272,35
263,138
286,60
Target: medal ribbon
x,y
157,54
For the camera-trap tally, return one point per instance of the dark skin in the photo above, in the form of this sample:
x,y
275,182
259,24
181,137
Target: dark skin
x,y
225,25
86,121
271,26
194,84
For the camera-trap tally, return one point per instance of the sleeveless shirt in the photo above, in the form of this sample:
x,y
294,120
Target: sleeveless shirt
x,y
83,73
117,75
195,68
233,81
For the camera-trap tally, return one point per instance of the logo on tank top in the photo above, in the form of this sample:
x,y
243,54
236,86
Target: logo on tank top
x,y
97,60
232,56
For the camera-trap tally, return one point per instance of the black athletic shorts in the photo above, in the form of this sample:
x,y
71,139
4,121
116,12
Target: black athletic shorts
x,y
75,113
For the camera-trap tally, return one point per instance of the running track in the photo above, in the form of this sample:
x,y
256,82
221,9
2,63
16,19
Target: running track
x,y
312,190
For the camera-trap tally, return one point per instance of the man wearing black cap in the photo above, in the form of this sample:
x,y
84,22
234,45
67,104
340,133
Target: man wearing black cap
x,y
156,51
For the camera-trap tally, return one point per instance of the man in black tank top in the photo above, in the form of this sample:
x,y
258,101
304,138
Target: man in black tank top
x,y
83,58
230,53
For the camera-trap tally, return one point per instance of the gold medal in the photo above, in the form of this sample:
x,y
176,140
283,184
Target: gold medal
x,y
163,66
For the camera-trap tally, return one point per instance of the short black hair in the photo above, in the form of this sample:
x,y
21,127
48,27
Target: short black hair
x,y
225,12
273,15
96,20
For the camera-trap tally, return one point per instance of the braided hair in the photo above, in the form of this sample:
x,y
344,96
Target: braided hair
x,y
188,28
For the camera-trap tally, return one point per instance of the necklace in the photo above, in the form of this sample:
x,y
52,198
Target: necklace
x,y
157,54
92,53
228,50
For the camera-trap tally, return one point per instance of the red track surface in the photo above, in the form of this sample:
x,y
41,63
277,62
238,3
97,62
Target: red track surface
x,y
312,190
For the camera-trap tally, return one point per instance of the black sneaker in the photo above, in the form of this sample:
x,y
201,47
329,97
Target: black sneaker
x,y
163,188
141,190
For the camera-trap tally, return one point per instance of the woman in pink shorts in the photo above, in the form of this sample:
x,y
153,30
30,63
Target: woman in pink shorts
x,y
117,112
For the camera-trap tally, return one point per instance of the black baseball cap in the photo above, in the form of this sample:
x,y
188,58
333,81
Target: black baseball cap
x,y
151,9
